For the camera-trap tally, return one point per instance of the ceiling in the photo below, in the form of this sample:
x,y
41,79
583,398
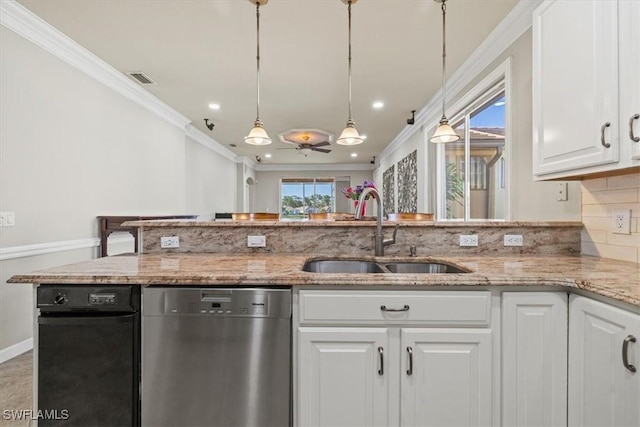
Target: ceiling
x,y
204,51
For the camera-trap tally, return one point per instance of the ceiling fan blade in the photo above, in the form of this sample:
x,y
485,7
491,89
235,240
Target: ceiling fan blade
x,y
322,150
322,144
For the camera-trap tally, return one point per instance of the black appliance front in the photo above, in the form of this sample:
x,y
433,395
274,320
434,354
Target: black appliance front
x,y
89,356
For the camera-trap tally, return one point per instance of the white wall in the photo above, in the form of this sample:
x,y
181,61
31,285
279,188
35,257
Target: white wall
x,y
268,185
72,149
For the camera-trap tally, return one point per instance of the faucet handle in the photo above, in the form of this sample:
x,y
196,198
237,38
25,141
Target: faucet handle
x,y
392,240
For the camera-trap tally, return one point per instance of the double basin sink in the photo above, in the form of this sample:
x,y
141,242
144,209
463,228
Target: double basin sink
x,y
368,266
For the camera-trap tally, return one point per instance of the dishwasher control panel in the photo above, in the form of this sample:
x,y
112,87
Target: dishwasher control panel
x,y
215,302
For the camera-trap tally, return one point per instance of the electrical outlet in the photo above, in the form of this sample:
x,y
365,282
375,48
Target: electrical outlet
x,y
561,195
256,241
469,240
170,242
7,219
621,221
513,239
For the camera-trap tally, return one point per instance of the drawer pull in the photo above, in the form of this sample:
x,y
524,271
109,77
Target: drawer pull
x,y
631,135
384,308
381,353
625,352
410,370
604,143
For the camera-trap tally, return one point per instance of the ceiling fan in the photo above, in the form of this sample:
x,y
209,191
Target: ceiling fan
x,y
309,146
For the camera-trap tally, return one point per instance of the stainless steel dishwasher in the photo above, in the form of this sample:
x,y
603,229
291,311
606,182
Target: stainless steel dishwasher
x,y
216,357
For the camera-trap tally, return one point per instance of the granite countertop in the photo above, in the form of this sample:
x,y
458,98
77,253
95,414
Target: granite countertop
x,y
617,280
365,222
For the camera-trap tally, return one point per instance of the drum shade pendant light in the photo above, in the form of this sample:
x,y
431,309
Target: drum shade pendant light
x,y
350,135
444,132
258,136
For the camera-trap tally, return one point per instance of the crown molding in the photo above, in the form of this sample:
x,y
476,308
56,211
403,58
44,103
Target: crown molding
x,y
19,19
314,167
200,137
506,32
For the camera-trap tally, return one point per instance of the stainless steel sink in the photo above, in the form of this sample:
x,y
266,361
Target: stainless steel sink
x,y
367,266
422,267
342,266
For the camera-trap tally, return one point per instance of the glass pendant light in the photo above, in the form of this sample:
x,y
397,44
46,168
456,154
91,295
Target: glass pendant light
x,y
350,135
444,132
258,136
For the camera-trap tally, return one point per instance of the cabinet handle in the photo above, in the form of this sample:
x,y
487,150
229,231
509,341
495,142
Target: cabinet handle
x,y
410,370
384,308
381,353
625,352
605,144
631,136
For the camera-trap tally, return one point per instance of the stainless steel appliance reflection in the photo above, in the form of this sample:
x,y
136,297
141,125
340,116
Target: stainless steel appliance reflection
x,y
216,357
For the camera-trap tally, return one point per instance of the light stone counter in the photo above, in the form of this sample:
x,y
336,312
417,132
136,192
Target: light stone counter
x,y
615,280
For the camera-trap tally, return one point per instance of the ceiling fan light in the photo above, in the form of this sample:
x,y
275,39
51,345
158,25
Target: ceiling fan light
x,y
350,136
257,136
444,133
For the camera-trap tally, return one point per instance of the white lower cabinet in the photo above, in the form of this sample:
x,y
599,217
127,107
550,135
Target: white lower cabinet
x,y
372,365
603,389
534,359
341,376
446,377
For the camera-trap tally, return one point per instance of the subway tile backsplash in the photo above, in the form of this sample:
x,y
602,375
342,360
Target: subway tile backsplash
x,y
600,197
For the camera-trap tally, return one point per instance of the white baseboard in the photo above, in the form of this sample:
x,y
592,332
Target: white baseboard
x,y
16,350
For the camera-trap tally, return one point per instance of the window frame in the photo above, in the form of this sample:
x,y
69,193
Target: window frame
x,y
303,180
498,80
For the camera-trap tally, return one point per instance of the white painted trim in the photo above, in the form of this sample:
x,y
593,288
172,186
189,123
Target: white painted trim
x,y
16,350
200,137
28,25
14,252
506,32
314,167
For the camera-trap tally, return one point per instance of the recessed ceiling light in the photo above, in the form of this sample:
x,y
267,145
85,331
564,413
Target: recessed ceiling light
x,y
354,154
268,155
214,106
378,105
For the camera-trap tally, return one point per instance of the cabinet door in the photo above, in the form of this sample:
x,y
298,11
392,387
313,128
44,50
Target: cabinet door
x,y
602,392
446,377
630,76
343,376
575,85
534,358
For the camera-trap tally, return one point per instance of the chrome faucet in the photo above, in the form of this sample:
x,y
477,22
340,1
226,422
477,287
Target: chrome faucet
x,y
381,242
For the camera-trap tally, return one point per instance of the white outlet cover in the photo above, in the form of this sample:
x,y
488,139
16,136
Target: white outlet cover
x,y
621,221
469,240
256,241
513,240
169,242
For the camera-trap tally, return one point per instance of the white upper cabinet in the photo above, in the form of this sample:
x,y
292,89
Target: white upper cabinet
x,y
585,87
630,76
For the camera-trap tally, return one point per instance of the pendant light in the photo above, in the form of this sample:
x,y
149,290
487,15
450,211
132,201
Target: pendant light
x,y
350,135
258,136
444,132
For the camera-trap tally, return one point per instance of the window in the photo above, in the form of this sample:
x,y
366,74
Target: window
x,y
301,196
472,176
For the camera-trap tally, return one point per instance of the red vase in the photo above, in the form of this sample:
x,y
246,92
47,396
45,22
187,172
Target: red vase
x,y
364,206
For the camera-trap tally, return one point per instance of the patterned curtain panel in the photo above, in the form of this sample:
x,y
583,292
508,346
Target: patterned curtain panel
x,y
408,183
389,190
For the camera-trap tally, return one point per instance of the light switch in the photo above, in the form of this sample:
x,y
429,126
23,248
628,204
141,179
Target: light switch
x,y
256,241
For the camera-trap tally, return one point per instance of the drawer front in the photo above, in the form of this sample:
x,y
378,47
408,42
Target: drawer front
x,y
454,308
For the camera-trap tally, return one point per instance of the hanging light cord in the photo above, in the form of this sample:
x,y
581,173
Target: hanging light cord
x,y
349,9
444,56
258,60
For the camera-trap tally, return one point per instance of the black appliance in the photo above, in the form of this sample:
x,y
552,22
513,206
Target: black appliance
x,y
88,355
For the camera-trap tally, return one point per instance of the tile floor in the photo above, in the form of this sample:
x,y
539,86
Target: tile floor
x,y
15,388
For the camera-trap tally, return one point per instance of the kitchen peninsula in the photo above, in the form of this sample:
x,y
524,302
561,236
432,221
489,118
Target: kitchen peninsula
x,y
517,320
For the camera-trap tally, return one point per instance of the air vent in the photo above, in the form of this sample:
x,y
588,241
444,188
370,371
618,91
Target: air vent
x,y
141,78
